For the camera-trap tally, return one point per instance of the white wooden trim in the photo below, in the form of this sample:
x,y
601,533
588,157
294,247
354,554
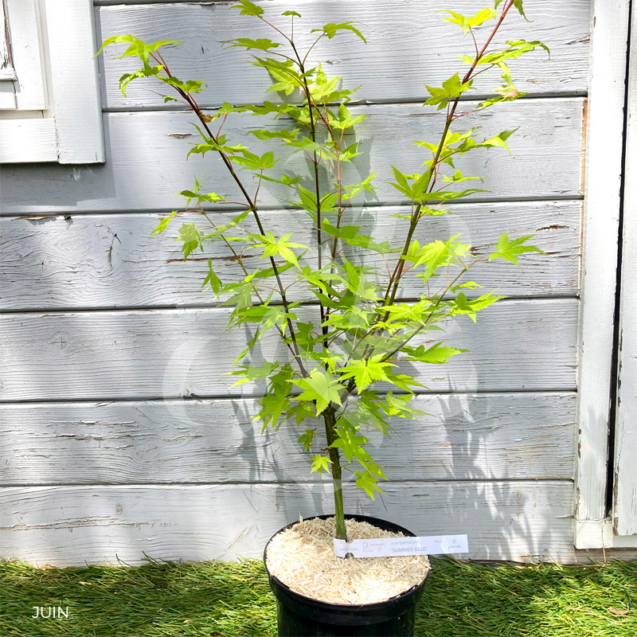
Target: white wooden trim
x,y
29,90
27,140
7,72
609,33
625,487
598,534
74,78
65,29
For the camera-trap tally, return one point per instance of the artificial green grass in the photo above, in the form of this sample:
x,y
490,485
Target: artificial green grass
x,y
230,599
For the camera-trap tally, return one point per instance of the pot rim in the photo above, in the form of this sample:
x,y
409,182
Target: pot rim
x,y
344,607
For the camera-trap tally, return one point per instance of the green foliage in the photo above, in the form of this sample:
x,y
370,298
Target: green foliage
x,y
509,250
190,236
320,389
331,29
451,89
248,8
469,23
337,354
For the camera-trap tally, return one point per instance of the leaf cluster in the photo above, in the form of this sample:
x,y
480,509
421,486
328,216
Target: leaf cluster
x,y
354,359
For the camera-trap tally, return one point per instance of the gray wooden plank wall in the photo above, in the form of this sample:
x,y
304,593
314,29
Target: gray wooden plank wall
x,y
119,433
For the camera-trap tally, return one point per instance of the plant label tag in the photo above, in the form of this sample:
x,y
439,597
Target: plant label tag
x,y
395,546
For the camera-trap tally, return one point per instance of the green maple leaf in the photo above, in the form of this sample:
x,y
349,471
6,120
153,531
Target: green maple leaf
x,y
509,250
451,89
331,29
248,8
320,464
436,355
367,481
365,372
321,388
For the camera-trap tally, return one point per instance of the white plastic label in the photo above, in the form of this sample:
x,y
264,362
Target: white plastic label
x,y
395,546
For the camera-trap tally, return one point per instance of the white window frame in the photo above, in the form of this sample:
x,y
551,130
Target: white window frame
x,y
57,112
602,207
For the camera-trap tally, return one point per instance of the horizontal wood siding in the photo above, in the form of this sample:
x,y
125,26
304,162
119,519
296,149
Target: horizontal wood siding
x,y
465,437
404,57
527,345
146,159
120,435
61,525
122,266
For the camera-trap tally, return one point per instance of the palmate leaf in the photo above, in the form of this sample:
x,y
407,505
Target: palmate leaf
x,y
470,22
320,388
251,161
368,482
331,29
234,222
266,135
509,250
365,372
211,144
248,8
253,373
261,44
451,88
437,354
163,224
191,237
436,254
306,439
190,86
273,246
286,77
276,404
399,405
517,48
462,305
320,464
518,4
127,78
212,279
351,236
348,440
137,48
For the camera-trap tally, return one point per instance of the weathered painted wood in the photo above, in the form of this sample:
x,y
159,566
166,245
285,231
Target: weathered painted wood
x,y
601,233
409,45
25,140
146,159
73,525
29,90
466,437
74,78
625,487
527,345
89,261
591,534
7,71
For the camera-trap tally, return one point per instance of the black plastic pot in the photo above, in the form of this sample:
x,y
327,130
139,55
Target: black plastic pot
x,y
300,616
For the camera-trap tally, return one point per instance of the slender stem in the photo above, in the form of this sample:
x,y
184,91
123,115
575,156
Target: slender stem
x,y
239,260
197,110
317,186
337,473
398,272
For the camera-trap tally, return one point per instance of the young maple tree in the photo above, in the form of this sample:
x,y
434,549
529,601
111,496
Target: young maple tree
x,y
360,330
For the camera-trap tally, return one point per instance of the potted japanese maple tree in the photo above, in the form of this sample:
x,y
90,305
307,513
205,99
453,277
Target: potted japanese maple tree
x,y
342,322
